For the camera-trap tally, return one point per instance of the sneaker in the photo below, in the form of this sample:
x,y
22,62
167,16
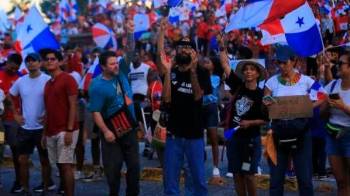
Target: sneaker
x,y
259,170
40,188
216,172
16,188
290,174
78,175
95,176
325,178
229,175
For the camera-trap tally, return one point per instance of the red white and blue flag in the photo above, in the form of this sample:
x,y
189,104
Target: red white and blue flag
x,y
68,10
298,29
104,37
257,12
93,72
142,25
317,92
35,34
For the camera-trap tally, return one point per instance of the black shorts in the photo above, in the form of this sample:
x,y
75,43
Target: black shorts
x,y
28,140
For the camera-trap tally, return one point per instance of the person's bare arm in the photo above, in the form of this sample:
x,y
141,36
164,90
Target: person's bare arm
x,y
223,56
160,44
196,88
130,42
98,119
166,92
18,117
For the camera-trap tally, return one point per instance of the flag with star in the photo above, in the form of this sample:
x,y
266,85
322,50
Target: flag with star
x,y
142,25
298,29
35,34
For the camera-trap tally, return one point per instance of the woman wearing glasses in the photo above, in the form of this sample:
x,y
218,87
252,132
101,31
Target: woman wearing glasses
x,y
338,126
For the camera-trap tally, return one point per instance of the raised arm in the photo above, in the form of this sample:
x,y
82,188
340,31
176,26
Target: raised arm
x,y
166,66
196,88
130,43
223,55
160,43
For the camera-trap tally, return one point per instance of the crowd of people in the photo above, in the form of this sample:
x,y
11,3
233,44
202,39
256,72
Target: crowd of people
x,y
183,81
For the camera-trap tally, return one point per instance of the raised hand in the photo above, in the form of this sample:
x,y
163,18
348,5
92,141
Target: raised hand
x,y
165,62
194,60
163,24
130,27
220,39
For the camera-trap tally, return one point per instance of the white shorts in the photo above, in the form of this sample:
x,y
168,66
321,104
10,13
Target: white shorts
x,y
58,151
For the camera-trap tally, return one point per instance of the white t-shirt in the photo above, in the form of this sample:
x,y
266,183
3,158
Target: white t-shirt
x,y
337,116
31,91
138,79
302,87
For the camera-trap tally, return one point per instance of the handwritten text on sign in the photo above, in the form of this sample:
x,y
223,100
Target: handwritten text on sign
x,y
290,107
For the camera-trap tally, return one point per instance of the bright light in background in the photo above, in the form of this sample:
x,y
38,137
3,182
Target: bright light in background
x,y
6,5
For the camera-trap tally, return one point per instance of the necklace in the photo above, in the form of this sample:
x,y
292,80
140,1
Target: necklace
x,y
292,82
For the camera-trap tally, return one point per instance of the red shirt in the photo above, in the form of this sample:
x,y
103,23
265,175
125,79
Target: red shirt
x,y
152,65
56,96
6,82
212,31
202,30
155,93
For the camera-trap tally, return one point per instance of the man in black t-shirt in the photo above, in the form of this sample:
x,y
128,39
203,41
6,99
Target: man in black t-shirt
x,y
184,86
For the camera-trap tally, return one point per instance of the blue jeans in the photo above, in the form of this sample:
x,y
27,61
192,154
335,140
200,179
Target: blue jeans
x,y
175,151
302,160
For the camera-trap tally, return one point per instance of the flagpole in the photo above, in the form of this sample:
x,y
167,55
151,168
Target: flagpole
x,y
320,34
341,45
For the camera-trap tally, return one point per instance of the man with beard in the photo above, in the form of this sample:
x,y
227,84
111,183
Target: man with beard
x,y
106,98
184,86
110,93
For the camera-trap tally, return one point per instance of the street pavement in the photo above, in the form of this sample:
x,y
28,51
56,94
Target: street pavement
x,y
148,188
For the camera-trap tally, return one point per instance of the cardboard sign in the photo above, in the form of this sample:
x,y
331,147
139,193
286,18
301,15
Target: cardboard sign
x,y
290,107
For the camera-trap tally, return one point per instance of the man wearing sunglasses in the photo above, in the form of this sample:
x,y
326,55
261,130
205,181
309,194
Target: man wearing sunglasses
x,y
184,86
61,131
30,89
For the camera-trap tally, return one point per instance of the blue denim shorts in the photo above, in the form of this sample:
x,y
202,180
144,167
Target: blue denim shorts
x,y
210,115
340,146
239,149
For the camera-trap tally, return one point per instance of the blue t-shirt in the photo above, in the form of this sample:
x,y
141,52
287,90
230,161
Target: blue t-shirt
x,y
106,97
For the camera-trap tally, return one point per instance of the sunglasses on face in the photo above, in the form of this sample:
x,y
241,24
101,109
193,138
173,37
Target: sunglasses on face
x,y
184,47
30,61
341,63
50,59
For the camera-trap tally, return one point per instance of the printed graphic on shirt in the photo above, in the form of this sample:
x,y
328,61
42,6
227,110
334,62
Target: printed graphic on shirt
x,y
185,88
137,76
243,105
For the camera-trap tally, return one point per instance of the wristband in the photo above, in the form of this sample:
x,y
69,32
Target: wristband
x,y
221,48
